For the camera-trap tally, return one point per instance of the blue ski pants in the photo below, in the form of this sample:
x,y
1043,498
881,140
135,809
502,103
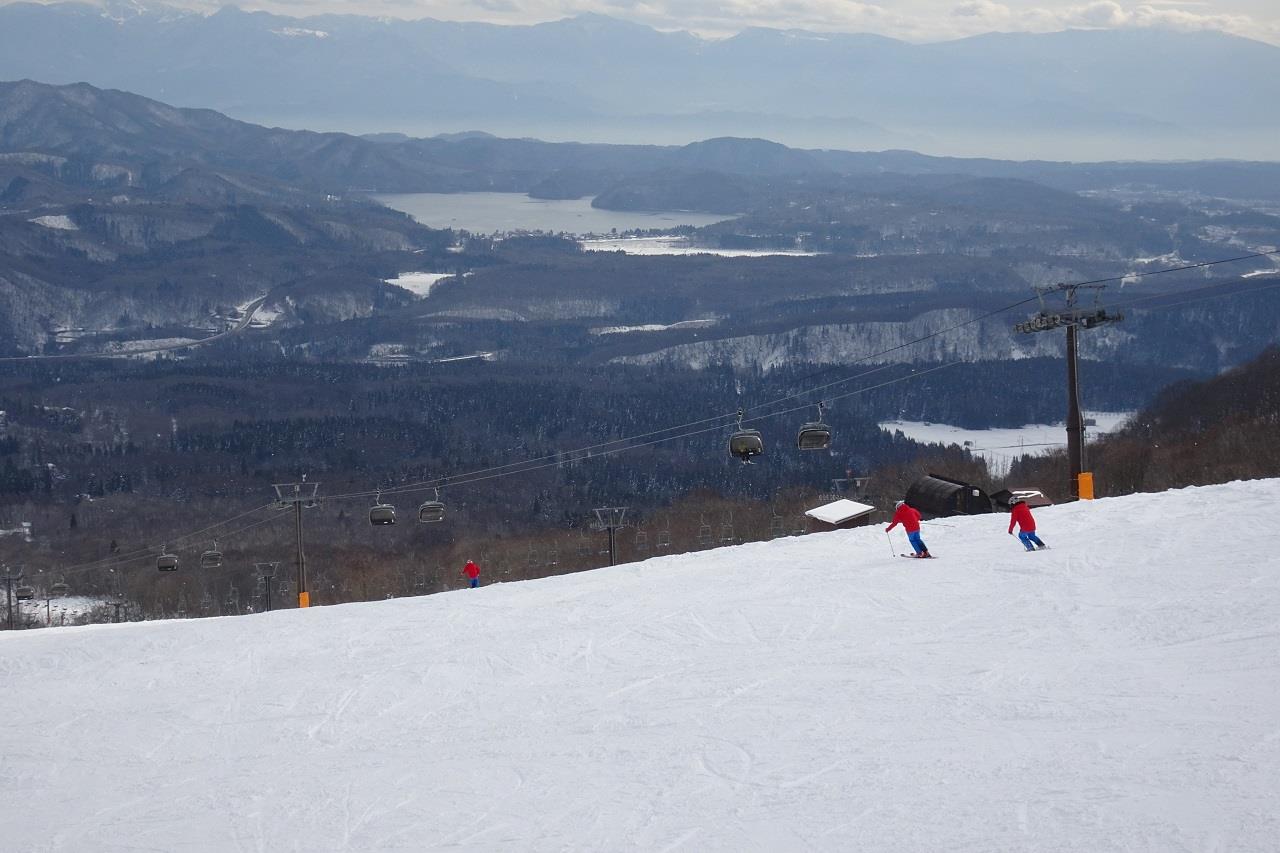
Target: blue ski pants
x,y
1030,540
917,544
475,582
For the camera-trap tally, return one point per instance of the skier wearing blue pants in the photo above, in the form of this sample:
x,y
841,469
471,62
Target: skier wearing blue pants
x,y
1020,514
907,516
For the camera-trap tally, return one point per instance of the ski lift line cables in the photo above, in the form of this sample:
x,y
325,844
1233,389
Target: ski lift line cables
x,y
1206,292
628,443
606,448
1010,307
558,458
618,445
1183,268
483,476
151,551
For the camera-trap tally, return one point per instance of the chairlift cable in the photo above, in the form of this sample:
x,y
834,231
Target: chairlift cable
x,y
628,442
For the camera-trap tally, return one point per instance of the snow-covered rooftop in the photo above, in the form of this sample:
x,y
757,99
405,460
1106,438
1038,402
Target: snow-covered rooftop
x,y
839,511
1118,692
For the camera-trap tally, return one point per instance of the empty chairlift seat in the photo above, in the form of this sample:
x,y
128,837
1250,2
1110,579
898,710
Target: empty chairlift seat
x,y
746,444
814,435
211,559
431,512
167,562
24,593
381,513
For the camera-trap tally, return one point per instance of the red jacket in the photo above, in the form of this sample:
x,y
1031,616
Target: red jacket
x,y
907,517
472,570
1020,514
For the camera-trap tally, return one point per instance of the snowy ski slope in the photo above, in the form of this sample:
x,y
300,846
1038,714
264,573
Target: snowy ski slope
x,y
1120,692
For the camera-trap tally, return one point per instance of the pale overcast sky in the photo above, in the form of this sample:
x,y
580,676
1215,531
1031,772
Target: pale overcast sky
x,y
915,20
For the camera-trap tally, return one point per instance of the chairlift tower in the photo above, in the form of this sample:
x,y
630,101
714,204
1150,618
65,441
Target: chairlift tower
x,y
10,577
299,496
267,571
612,519
1072,318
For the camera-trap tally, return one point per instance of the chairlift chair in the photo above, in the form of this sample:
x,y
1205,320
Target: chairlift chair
x,y
211,559
431,511
777,527
704,534
24,593
664,535
642,542
745,443
814,435
166,562
59,589
726,531
381,513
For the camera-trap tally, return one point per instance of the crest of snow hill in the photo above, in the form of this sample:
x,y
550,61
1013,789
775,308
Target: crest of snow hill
x,y
1116,692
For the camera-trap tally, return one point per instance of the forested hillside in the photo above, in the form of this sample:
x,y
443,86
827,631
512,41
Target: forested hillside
x,y
1194,433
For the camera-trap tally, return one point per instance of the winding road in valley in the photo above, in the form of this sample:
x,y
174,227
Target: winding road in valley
x,y
250,312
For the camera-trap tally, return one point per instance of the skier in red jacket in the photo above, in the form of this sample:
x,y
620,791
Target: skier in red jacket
x,y
907,516
472,571
1020,514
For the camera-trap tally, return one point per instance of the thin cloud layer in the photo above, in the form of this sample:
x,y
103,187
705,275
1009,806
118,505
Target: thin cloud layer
x,y
914,20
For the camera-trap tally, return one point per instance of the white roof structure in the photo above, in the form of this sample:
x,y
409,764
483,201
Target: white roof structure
x,y
838,512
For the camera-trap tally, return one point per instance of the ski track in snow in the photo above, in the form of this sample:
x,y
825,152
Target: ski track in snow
x,y
1118,692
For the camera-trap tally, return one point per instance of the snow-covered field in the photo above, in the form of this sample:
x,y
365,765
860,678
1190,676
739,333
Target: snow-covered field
x,y
65,610
654,327
677,246
419,284
1120,692
1001,446
60,222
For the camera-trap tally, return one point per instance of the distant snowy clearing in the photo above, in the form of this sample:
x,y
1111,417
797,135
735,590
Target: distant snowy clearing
x,y
679,246
654,327
147,348
1001,446
420,284
58,223
1118,692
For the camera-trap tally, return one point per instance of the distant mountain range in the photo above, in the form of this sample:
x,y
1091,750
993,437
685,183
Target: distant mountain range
x,y
56,141
1079,95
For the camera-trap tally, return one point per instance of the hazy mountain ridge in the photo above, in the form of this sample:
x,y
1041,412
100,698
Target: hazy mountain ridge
x,y
1183,94
84,134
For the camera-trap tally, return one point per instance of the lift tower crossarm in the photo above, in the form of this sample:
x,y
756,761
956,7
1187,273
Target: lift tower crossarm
x,y
298,496
1073,318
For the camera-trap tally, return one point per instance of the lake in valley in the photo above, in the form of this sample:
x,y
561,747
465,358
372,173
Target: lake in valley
x,y
486,213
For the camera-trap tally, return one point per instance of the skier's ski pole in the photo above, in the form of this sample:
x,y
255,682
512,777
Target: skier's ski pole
x,y
890,538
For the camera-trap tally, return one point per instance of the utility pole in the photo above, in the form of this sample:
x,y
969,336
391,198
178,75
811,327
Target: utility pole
x,y
267,571
10,577
611,518
1073,318
299,496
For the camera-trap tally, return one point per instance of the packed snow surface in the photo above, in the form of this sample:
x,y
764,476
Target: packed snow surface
x,y
1119,692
